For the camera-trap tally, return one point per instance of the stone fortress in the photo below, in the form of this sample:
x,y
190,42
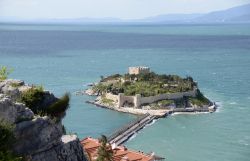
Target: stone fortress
x,y
138,70
137,101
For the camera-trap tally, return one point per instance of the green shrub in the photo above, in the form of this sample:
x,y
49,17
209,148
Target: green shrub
x,y
7,140
9,156
199,100
100,88
6,136
155,106
111,77
4,72
15,85
165,102
107,101
180,103
59,107
33,98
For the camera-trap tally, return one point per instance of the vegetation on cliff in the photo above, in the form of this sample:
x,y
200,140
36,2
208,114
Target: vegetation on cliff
x,y
199,100
29,128
34,99
7,140
59,107
4,72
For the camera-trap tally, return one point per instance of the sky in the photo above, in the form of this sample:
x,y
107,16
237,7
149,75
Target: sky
x,y
123,9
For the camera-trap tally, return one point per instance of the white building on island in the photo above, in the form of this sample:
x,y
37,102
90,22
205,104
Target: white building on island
x,y
138,70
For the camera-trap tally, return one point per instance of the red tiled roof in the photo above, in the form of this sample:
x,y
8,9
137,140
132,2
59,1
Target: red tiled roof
x,y
120,153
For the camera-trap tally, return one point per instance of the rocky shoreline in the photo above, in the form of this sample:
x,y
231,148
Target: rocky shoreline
x,y
157,113
37,137
141,111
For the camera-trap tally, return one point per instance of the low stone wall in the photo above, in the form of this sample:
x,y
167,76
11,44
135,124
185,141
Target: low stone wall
x,y
122,99
151,99
138,100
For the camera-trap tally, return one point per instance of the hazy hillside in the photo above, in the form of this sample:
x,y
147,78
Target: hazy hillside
x,y
240,14
236,14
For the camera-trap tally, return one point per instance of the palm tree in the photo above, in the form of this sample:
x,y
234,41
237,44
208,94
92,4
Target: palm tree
x,y
104,152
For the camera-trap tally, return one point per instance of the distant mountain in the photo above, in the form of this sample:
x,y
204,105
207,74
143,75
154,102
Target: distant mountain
x,y
240,14
235,14
171,18
232,15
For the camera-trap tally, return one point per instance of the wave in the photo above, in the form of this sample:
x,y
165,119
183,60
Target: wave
x,y
132,137
151,123
189,113
219,106
232,103
135,134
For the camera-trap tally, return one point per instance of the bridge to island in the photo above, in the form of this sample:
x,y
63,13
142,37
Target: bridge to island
x,y
123,134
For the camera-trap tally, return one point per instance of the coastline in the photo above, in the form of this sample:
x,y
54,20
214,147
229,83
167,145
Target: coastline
x,y
157,113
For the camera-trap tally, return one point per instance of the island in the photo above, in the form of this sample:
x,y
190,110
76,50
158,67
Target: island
x,y
141,91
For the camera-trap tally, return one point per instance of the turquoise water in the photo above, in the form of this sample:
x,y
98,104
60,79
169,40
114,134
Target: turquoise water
x,y
66,58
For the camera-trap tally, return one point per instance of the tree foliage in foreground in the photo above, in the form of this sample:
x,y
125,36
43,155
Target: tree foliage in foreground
x,y
105,152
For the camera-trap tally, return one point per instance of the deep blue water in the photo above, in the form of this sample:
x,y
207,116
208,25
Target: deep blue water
x,y
66,58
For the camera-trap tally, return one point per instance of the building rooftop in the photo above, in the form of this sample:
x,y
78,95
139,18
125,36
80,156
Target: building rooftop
x,y
91,145
140,67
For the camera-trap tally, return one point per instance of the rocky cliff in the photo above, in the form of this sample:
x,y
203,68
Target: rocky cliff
x,y
38,138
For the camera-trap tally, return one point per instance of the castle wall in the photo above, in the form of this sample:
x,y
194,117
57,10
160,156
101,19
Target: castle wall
x,y
138,100
151,99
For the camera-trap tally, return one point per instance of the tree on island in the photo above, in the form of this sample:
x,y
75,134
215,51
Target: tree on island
x,y
105,152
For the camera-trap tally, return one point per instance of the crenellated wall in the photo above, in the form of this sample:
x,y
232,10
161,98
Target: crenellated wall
x,y
138,100
151,99
122,99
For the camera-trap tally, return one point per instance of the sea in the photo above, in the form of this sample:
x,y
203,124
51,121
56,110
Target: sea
x,y
66,58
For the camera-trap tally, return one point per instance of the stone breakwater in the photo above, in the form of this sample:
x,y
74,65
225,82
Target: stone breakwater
x,y
38,138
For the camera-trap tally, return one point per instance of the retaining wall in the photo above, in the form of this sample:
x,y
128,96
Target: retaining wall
x,y
138,100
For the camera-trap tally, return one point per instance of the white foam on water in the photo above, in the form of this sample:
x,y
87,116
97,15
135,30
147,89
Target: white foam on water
x,y
243,142
189,113
151,123
219,106
233,103
132,137
135,134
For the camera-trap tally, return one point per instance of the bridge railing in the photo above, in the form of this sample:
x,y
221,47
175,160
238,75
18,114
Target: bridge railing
x,y
126,127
